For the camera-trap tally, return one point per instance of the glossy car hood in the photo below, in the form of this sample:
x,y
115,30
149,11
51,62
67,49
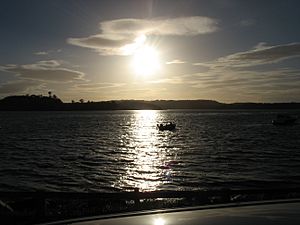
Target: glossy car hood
x,y
258,213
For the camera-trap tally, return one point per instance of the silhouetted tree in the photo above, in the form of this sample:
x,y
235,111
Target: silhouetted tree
x,y
49,93
73,101
81,100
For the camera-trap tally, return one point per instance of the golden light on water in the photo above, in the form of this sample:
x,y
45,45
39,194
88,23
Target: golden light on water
x,y
147,155
145,170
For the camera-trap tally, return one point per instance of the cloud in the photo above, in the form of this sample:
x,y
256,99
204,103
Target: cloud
x,y
247,23
260,45
41,53
92,87
175,26
116,34
248,85
259,55
47,52
248,81
18,86
173,80
50,71
103,45
231,84
235,77
175,61
186,79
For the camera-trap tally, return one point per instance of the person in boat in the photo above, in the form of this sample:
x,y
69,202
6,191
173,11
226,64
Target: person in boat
x,y
166,126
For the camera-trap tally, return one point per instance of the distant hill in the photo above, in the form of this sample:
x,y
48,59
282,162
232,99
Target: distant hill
x,y
39,102
188,104
30,102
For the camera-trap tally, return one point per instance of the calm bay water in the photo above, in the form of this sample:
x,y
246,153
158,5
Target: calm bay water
x,y
118,150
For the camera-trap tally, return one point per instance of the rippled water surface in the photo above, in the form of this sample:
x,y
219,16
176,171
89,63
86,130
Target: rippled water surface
x,y
119,150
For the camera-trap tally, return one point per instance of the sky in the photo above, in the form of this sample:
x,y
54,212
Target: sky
x,y
223,50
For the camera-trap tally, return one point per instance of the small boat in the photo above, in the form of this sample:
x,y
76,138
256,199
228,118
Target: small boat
x,y
166,126
284,119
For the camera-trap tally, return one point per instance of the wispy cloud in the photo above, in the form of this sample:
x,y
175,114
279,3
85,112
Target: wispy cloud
x,y
101,44
50,71
19,86
252,83
259,55
47,52
175,61
173,80
116,34
233,84
247,22
94,87
36,76
174,26
41,53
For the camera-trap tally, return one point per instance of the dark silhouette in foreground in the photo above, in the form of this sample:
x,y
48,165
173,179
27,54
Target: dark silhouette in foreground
x,y
38,207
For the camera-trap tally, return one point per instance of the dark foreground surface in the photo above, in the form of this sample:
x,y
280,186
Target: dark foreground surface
x,y
33,207
278,212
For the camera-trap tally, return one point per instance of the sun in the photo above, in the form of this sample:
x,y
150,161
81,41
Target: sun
x,y
145,61
145,57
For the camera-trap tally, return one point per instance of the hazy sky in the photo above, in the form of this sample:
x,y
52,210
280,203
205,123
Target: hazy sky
x,y
225,50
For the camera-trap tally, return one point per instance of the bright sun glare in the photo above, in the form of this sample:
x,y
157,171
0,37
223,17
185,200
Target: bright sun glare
x,y
145,57
145,61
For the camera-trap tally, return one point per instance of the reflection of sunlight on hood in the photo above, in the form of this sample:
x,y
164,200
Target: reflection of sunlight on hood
x,y
159,221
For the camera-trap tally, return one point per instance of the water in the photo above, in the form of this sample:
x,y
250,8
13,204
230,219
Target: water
x,y
119,150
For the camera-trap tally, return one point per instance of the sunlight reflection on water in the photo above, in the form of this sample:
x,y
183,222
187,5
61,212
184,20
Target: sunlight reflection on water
x,y
121,150
144,172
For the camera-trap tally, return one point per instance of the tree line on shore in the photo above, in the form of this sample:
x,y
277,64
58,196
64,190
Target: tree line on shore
x,y
52,102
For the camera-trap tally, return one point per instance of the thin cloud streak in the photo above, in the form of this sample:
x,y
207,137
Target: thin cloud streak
x,y
19,86
236,72
260,55
41,53
49,71
247,22
269,80
94,87
175,61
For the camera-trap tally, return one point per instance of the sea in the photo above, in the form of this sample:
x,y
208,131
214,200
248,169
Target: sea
x,y
113,151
